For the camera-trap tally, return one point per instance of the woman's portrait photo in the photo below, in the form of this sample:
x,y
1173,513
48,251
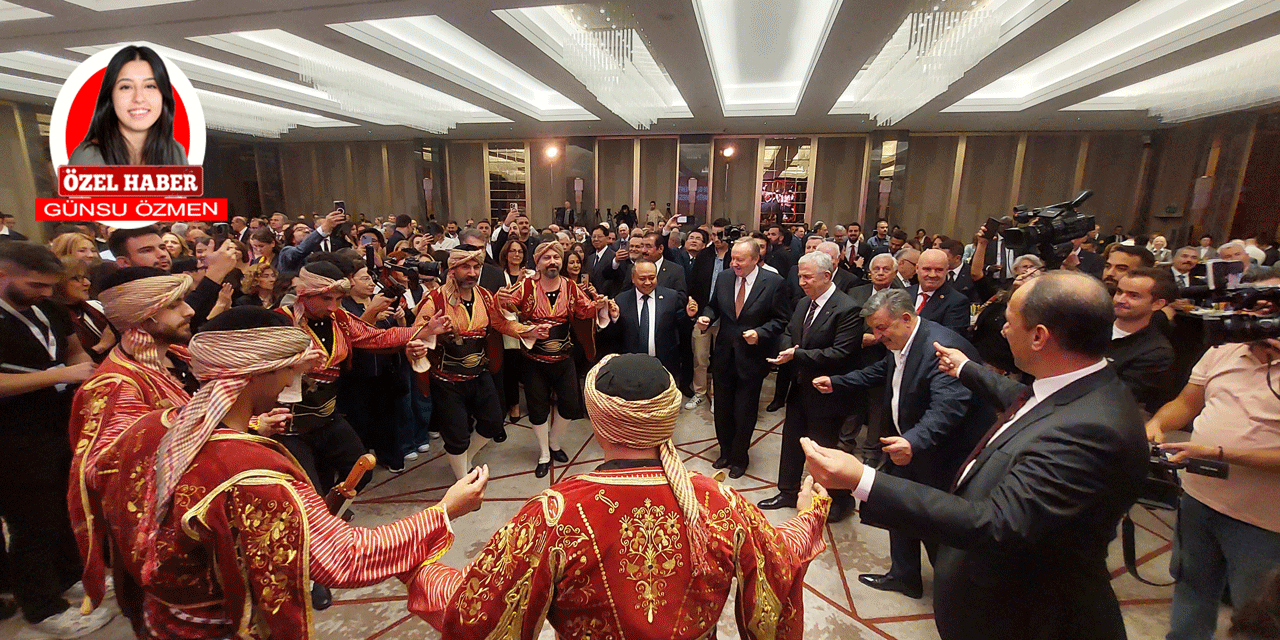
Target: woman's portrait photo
x,y
133,116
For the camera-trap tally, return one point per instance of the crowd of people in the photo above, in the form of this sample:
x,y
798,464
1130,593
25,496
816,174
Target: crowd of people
x,y
180,401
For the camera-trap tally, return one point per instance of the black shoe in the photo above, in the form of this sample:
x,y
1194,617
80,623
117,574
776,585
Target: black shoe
x,y
840,509
775,405
886,582
500,436
321,598
560,456
736,472
720,463
396,465
542,469
8,607
777,502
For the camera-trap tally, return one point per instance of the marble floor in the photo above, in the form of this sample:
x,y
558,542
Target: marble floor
x,y
836,604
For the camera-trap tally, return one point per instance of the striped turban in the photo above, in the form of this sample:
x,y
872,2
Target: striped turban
x,y
639,419
223,361
311,283
550,245
461,256
128,304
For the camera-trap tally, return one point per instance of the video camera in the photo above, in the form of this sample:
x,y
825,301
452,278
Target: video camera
x,y
1256,313
734,232
1049,231
416,265
1162,487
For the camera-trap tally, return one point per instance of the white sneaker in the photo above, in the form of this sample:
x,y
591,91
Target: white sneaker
x,y
411,456
70,624
693,402
425,447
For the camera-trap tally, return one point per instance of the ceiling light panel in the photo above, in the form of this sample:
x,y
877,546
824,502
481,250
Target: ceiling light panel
x,y
116,5
932,49
360,88
1240,79
1144,31
431,44
607,55
763,53
10,12
29,86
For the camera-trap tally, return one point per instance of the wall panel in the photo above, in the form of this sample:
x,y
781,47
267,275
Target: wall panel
x,y
1048,169
928,185
735,181
615,159
1112,173
468,183
985,185
837,180
658,158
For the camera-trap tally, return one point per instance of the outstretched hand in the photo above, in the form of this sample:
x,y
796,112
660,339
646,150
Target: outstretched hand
x,y
831,468
808,491
950,360
466,495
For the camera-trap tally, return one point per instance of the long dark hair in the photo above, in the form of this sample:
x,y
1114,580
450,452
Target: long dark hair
x,y
104,130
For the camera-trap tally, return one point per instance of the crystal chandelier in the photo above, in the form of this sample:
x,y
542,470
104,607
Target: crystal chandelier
x,y
929,51
1240,79
614,64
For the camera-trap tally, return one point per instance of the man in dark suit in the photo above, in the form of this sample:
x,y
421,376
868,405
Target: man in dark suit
x,y
958,274
1024,532
1183,268
651,318
1115,238
404,229
883,271
599,258
933,298
823,339
844,279
935,420
752,306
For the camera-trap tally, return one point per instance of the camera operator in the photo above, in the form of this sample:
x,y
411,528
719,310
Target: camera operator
x,y
1228,529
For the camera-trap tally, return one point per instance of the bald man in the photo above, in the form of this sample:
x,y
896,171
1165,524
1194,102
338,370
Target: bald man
x,y
935,299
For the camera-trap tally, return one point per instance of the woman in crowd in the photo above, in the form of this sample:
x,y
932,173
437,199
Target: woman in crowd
x,y
90,323
987,332
921,236
511,257
265,247
75,245
259,287
1159,247
177,247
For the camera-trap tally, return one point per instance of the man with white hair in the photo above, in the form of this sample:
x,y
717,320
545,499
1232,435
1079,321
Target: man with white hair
x,y
674,540
1235,251
823,338
843,278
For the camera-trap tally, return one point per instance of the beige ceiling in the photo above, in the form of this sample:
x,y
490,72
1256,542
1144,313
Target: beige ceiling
x,y
858,31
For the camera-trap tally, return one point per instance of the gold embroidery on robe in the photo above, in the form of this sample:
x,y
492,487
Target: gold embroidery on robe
x,y
651,539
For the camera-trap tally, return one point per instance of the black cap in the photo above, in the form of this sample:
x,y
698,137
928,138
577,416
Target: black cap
x,y
633,377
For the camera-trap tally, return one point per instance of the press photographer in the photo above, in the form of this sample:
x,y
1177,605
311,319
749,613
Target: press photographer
x,y
1228,529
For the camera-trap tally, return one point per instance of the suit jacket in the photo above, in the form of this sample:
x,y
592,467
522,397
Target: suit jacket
x,y
937,414
765,310
491,278
595,263
876,352
669,320
946,307
1092,263
700,285
830,347
964,283
1024,538
529,246
1143,360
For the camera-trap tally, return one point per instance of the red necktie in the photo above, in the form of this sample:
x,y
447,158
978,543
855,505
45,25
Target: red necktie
x,y
1005,416
923,301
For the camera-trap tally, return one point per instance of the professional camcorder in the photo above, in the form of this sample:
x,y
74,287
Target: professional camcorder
x,y
1049,231
1255,316
733,233
1162,487
415,265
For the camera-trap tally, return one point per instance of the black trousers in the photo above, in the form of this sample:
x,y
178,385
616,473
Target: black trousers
x,y
737,408
784,382
904,550
512,373
803,422
327,453
541,379
43,558
369,405
456,403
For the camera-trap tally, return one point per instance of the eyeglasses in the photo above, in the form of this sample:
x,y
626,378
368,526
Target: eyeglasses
x,y
907,261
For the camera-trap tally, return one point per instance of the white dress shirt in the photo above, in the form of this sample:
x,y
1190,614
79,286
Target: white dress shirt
x,y
822,299
751,282
1041,390
900,361
653,315
1179,278
921,293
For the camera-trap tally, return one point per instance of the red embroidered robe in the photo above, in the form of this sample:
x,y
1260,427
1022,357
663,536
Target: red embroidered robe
x,y
245,537
604,555
121,391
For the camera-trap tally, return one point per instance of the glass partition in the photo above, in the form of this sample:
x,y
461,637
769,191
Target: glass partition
x,y
784,180
508,168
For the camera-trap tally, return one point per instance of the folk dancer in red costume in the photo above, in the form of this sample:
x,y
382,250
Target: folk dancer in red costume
x,y
321,439
565,312
640,548
216,532
464,360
